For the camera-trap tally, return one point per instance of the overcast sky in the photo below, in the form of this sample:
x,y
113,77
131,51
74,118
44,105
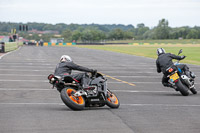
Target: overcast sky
x,y
177,12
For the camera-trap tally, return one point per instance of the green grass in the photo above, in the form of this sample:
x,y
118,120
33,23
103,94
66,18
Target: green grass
x,y
175,41
10,46
191,51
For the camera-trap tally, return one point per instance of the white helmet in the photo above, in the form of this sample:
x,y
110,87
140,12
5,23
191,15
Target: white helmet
x,y
160,51
65,58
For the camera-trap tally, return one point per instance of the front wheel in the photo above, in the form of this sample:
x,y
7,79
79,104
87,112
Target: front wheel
x,y
112,101
74,103
193,90
182,88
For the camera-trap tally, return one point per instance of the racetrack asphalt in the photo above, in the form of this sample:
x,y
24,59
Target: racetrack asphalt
x,y
29,105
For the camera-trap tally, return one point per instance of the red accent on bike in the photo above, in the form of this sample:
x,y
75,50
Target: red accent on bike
x,y
170,70
176,81
50,77
89,88
76,80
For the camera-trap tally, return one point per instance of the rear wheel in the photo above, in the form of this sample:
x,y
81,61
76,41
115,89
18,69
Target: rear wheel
x,y
74,103
112,101
182,88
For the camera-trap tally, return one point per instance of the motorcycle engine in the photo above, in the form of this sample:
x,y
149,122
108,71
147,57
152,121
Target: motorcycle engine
x,y
91,90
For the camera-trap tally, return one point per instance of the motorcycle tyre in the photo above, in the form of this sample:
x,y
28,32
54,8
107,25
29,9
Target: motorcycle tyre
x,y
69,101
110,104
182,88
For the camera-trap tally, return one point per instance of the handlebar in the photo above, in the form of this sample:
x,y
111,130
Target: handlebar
x,y
94,74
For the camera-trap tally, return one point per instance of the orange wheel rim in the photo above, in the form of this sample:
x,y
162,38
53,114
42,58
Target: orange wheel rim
x,y
112,99
77,100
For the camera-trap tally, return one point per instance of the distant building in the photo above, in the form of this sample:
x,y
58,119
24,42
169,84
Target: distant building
x,y
43,32
4,38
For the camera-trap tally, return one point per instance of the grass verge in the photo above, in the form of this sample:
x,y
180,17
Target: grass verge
x,y
10,46
191,51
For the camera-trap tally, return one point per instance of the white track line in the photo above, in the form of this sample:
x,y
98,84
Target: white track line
x,y
138,105
75,72
138,91
9,52
37,89
42,81
26,89
50,89
39,81
149,76
163,105
29,70
31,104
46,81
30,64
27,75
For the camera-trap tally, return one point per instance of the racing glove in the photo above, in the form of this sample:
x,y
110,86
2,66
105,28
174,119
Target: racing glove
x,y
94,72
183,56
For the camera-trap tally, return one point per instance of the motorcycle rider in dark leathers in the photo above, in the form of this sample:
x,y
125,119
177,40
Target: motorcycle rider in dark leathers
x,y
65,67
164,61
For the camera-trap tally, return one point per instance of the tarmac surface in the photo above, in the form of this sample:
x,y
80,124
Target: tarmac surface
x,y
29,105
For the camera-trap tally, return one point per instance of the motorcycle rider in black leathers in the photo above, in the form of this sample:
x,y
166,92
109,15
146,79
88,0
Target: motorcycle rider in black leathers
x,y
65,67
164,61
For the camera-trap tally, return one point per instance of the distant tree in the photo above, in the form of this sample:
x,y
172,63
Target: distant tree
x,y
92,35
116,34
87,36
128,35
48,27
149,35
197,28
67,35
193,34
76,35
97,32
140,31
73,27
162,30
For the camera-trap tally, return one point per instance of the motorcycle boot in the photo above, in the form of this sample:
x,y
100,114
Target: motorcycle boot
x,y
85,81
171,86
192,75
174,87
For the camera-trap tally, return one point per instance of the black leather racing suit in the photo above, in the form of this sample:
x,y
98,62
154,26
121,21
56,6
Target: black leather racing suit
x,y
65,68
164,61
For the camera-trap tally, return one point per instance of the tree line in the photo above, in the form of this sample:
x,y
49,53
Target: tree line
x,y
97,32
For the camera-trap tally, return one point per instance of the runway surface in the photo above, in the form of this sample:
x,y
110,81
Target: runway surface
x,y
29,105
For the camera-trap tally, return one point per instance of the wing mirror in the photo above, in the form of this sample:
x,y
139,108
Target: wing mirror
x,y
180,51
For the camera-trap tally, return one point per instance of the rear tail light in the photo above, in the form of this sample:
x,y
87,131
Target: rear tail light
x,y
171,69
50,76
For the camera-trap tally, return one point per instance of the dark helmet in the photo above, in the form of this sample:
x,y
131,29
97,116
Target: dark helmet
x,y
160,51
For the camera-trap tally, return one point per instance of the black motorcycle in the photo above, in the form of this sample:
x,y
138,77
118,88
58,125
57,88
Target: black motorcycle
x,y
179,80
77,98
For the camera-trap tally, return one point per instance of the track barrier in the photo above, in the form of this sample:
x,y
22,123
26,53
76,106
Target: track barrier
x,y
9,46
56,44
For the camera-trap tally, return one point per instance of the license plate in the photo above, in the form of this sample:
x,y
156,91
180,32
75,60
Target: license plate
x,y
94,100
174,76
